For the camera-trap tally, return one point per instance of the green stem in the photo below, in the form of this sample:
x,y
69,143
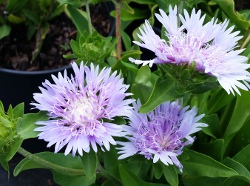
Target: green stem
x,y
106,174
89,18
118,28
245,42
48,164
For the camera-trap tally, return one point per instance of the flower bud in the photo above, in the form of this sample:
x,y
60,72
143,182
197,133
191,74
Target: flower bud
x,y
7,129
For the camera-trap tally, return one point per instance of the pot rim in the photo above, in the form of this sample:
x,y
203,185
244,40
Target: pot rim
x,y
23,72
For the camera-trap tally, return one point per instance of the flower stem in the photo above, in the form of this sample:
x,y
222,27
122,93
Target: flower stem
x,y
89,18
106,174
246,41
118,27
48,164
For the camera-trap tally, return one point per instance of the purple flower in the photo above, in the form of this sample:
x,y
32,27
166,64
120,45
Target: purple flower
x,y
210,46
162,133
81,109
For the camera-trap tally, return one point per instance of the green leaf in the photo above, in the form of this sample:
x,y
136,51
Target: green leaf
x,y
141,168
192,3
4,31
79,20
219,100
171,175
62,178
16,6
70,2
142,87
75,47
213,128
1,108
138,158
126,40
141,91
44,4
13,148
151,19
56,12
242,138
240,115
18,111
202,165
202,180
3,162
138,14
136,31
143,75
111,162
245,13
213,149
243,157
157,169
236,180
238,167
6,122
228,7
146,2
111,61
130,66
164,90
129,179
26,127
26,164
71,180
34,17
89,161
58,159
127,8
109,183
131,53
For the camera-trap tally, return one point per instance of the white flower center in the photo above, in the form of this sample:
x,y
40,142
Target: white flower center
x,y
82,109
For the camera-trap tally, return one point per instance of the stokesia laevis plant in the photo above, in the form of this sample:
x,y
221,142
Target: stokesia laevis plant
x,y
183,129
162,133
81,109
210,47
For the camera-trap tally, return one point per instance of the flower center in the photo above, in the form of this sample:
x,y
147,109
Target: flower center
x,y
81,110
188,47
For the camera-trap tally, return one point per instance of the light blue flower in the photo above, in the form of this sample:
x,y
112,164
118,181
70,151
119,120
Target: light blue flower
x,y
160,134
211,46
81,109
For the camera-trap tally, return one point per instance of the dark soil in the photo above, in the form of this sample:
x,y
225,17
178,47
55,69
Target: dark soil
x,y
16,50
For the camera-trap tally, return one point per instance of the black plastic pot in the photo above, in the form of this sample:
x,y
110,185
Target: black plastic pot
x,y
18,86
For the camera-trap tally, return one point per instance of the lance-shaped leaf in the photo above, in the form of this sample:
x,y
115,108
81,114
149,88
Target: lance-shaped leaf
x,y
164,90
26,126
238,118
228,7
202,165
129,179
243,157
142,87
70,170
89,161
